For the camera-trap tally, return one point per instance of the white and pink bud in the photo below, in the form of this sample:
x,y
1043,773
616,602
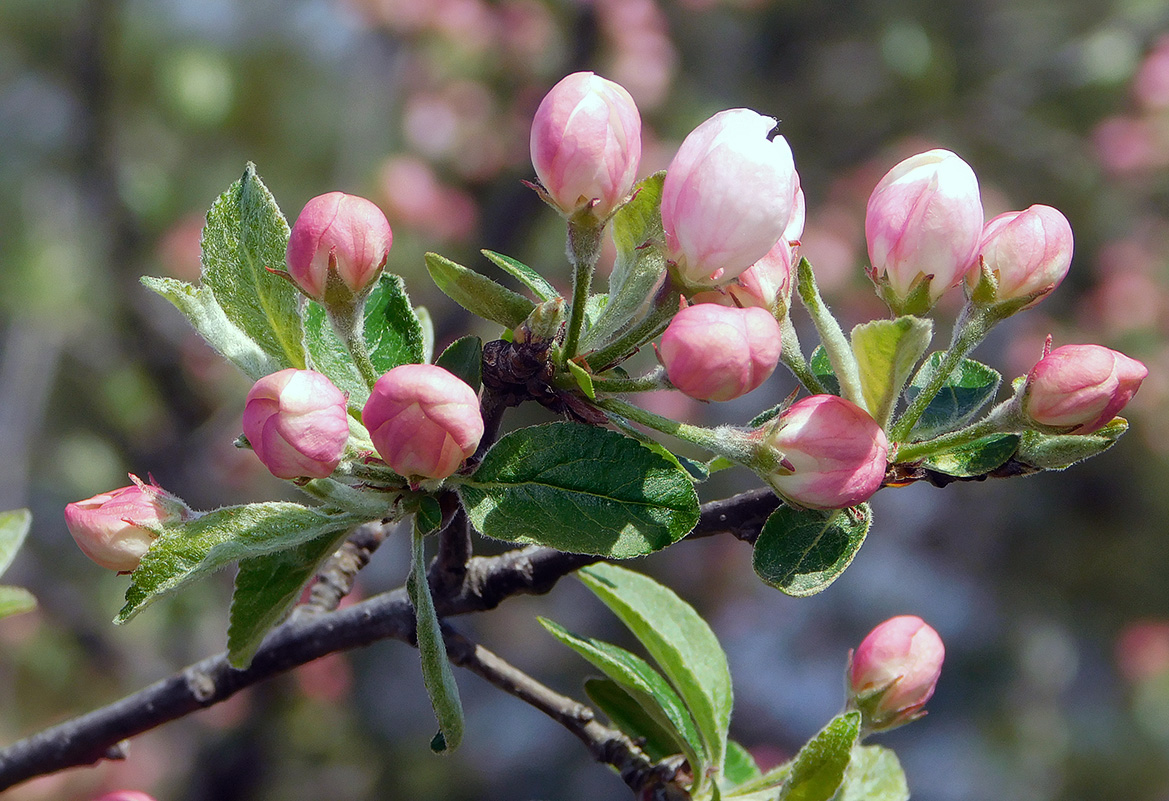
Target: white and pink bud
x,y
894,672
718,353
586,144
1081,387
338,247
1027,253
424,421
297,424
116,528
823,452
126,795
728,196
923,224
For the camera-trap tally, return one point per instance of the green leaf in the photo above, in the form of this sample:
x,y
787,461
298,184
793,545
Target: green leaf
x,y
645,685
524,274
464,358
436,668
427,324
969,387
266,587
14,527
801,551
873,774
477,293
629,717
580,489
246,233
1060,451
584,380
392,333
189,550
818,770
821,367
740,767
202,310
15,600
886,352
679,641
976,458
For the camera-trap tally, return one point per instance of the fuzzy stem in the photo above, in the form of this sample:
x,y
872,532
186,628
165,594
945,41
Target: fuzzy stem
x,y
831,336
710,439
348,322
792,356
584,249
1002,419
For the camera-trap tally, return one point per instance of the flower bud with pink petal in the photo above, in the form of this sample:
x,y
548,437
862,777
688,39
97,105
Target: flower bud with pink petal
x,y
423,420
297,423
114,529
1081,387
338,247
126,795
822,452
728,196
894,672
586,144
719,353
1026,253
923,224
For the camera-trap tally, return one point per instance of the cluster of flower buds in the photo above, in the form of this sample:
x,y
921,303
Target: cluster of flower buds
x,y
338,247
1080,388
718,353
116,528
894,671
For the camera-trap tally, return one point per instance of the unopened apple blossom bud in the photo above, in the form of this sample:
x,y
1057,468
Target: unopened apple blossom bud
x,y
894,672
728,196
823,452
1081,387
296,422
126,795
1027,253
114,528
586,144
766,284
424,422
923,225
338,247
719,353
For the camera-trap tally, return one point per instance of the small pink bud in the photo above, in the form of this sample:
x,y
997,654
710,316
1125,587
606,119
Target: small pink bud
x,y
1081,387
894,671
111,528
423,420
830,453
766,284
126,795
586,144
297,424
338,240
719,353
728,196
923,223
1029,253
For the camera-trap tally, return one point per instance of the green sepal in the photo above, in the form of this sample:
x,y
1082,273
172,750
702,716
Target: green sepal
x,y
969,387
975,458
583,378
801,551
477,293
464,359
1060,451
524,274
886,352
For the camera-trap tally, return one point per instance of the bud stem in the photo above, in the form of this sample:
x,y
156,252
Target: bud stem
x,y
654,322
653,380
584,249
1002,419
712,440
831,336
348,321
793,358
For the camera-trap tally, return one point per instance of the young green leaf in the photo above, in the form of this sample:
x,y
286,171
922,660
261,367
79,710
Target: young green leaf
x,y
584,380
266,587
535,282
189,550
393,335
464,358
969,387
976,458
886,352
681,643
645,685
436,668
581,489
14,527
1060,451
477,293
627,715
818,770
821,367
873,774
801,551
15,600
740,767
246,233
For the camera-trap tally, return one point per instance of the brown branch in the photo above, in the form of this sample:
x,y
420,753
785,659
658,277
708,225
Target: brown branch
x,y
336,577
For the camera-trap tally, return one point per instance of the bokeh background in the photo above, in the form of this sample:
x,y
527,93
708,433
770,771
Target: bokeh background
x,y
120,122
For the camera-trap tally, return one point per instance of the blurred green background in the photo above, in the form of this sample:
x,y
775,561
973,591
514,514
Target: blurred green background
x,y
120,122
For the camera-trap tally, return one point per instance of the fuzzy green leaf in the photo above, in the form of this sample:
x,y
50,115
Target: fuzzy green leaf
x,y
969,387
477,293
740,766
581,489
874,774
681,643
464,358
535,282
14,527
821,367
818,770
886,352
801,551
976,458
1060,451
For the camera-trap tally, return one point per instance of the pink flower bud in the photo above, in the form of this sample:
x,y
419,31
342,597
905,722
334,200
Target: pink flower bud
x,y
728,196
894,671
423,420
1029,253
297,424
126,795
586,144
1081,387
112,528
830,453
338,240
923,223
718,353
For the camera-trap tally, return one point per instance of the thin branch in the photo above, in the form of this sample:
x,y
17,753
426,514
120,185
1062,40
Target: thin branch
x,y
448,572
335,580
